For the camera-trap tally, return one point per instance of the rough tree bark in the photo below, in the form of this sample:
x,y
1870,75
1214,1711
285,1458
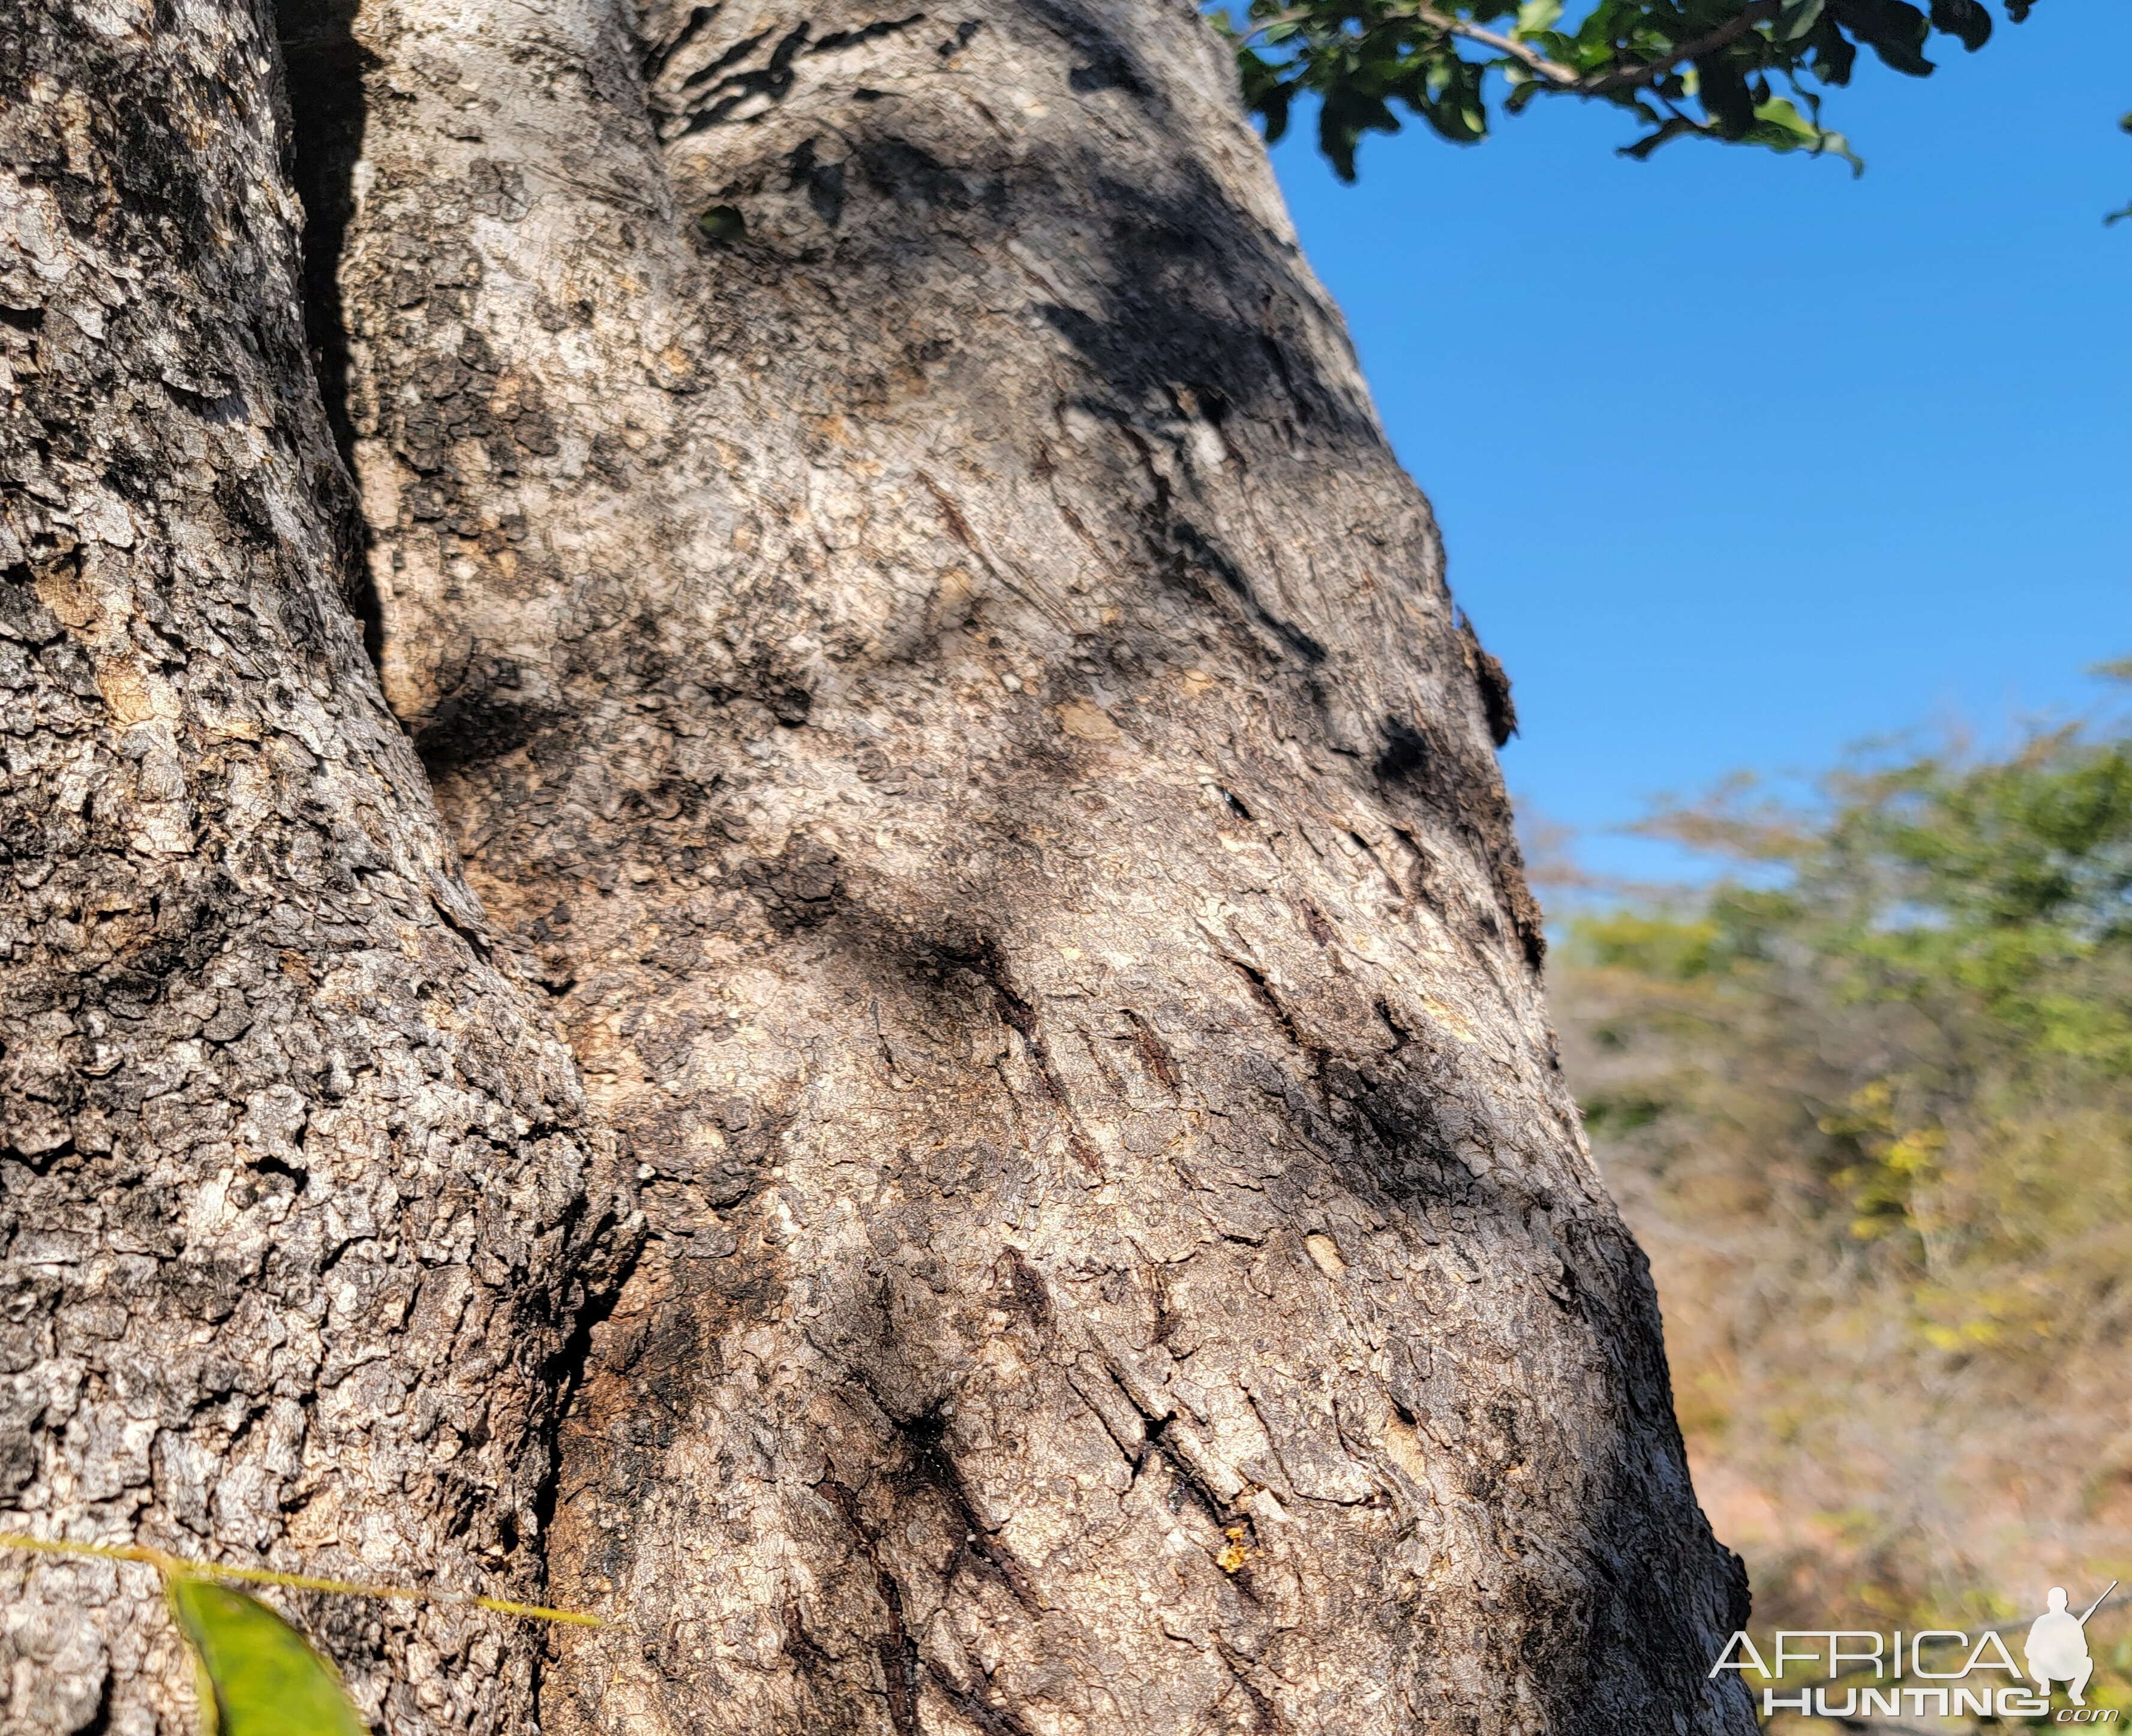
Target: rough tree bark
x,y
889,562
886,556
293,1190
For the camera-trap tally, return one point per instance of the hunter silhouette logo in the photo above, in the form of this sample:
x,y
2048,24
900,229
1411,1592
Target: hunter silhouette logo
x,y
1935,1672
2058,1645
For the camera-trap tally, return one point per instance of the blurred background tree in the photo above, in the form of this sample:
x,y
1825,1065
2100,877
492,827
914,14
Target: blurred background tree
x,y
1865,1099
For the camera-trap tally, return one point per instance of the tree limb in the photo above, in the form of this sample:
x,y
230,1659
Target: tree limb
x,y
1629,78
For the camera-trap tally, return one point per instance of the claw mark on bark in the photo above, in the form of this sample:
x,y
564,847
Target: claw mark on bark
x,y
887,1054
732,57
656,60
897,1650
712,102
1167,1320
798,1643
1132,1451
1187,552
1401,1036
953,514
772,82
1154,1052
1020,1017
1264,1720
932,1464
994,1721
1187,1473
1190,1479
1262,992
1165,1442
899,1660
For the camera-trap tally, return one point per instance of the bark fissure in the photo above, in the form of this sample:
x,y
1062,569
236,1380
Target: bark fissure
x,y
1262,992
1265,1719
321,65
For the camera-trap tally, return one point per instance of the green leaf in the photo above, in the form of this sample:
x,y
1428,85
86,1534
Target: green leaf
x,y
1535,16
1781,126
1893,29
723,224
261,1676
1962,18
1796,17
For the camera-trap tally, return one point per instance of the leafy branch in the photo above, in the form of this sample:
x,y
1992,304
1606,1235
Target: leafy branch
x,y
1710,69
259,1677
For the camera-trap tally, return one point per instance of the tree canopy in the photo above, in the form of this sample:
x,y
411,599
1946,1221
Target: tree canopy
x,y
1749,75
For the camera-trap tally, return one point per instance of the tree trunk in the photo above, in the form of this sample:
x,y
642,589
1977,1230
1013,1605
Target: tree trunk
x,y
292,1190
909,613
918,633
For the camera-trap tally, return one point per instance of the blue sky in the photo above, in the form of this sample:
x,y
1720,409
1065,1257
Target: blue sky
x,y
1740,460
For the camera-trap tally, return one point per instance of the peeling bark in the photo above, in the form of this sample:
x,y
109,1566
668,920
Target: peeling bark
x,y
294,1191
920,637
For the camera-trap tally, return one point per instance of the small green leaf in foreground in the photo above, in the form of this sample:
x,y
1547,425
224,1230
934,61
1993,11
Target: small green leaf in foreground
x,y
260,1676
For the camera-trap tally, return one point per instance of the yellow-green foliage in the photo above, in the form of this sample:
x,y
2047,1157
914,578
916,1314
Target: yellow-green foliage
x,y
258,1675
1867,1103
